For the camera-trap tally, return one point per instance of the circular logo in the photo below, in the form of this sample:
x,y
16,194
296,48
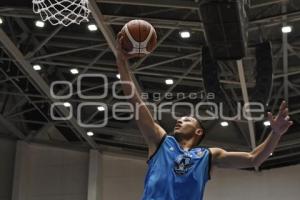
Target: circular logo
x,y
182,164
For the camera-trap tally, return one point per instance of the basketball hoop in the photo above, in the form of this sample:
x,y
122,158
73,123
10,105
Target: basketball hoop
x,y
63,12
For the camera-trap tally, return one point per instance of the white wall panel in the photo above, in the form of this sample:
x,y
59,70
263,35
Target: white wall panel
x,y
60,174
123,177
57,173
275,184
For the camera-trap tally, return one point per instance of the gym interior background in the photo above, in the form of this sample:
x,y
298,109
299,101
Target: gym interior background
x,y
42,158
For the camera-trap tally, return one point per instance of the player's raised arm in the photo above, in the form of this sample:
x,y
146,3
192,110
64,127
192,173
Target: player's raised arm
x,y
151,131
279,124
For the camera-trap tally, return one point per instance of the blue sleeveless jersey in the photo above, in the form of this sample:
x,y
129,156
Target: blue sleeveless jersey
x,y
175,174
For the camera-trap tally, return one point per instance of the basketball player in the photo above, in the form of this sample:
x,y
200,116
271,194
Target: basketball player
x,y
178,168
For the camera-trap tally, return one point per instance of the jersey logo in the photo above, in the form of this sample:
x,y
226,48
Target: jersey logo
x,y
182,164
200,154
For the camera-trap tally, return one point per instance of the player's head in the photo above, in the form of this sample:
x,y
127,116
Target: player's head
x,y
189,127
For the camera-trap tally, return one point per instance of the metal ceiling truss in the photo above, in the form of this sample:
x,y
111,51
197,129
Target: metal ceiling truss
x,y
172,59
39,83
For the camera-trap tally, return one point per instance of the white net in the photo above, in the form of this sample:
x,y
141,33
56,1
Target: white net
x,y
63,12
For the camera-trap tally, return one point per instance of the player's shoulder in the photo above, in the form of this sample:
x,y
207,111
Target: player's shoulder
x,y
215,151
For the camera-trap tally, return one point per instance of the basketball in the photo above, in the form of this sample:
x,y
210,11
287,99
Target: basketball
x,y
139,38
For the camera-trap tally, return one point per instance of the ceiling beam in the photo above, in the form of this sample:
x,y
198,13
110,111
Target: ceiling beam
x,y
39,83
157,23
107,32
11,127
246,100
155,3
285,56
186,73
262,3
89,47
43,43
169,61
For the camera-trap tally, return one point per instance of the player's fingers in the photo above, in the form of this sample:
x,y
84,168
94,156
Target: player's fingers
x,y
285,112
287,118
282,106
289,124
270,117
119,43
120,38
119,35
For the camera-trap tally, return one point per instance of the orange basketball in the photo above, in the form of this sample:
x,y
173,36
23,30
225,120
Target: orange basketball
x,y
139,38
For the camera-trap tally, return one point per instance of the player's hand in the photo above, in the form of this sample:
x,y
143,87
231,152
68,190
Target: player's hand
x,y
121,53
280,124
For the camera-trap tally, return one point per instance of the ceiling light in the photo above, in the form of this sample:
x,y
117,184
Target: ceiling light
x,y
224,124
101,108
90,133
37,67
169,81
118,76
67,104
40,24
92,27
1,20
74,71
286,29
267,123
185,34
